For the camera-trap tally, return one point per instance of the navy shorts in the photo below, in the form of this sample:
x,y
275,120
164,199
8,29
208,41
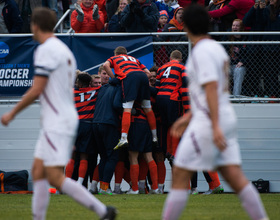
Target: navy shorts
x,y
85,140
169,110
140,137
135,87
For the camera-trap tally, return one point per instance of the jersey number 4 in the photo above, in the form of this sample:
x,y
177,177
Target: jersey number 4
x,y
167,72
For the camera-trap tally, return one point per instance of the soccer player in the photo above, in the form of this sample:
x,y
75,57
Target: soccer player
x,y
172,98
135,85
209,142
85,98
54,69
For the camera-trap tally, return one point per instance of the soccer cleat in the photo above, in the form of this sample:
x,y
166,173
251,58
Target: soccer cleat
x,y
132,192
118,191
194,191
105,192
122,143
93,191
154,191
142,191
111,213
217,190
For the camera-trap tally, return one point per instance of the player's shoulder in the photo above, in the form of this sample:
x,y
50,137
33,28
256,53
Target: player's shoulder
x,y
210,48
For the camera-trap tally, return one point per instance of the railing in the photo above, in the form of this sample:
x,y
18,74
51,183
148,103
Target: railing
x,y
60,21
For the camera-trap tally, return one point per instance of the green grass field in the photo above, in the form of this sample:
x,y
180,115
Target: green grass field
x,y
136,207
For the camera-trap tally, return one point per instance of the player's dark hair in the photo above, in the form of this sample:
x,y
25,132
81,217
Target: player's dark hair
x,y
83,80
176,55
120,50
154,69
44,18
196,19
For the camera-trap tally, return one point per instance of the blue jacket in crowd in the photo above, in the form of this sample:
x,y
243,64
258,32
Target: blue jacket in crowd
x,y
12,16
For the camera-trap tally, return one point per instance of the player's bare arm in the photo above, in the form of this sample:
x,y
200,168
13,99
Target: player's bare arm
x,y
181,124
107,68
30,96
148,73
212,101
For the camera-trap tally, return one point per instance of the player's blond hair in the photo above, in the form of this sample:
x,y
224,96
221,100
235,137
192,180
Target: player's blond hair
x,y
176,55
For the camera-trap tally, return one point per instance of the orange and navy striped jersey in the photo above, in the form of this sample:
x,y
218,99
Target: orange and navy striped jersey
x,y
172,82
85,99
124,64
138,114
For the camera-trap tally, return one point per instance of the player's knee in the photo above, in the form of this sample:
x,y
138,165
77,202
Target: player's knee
x,y
128,105
146,105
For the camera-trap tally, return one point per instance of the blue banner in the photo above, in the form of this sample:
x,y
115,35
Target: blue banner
x,y
16,56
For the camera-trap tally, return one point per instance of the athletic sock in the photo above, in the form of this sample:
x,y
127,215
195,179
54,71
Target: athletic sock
x,y
95,176
153,172
119,172
105,186
169,143
143,169
82,196
152,122
252,203
69,168
174,144
134,174
175,204
127,176
161,172
126,119
215,180
40,199
82,171
93,185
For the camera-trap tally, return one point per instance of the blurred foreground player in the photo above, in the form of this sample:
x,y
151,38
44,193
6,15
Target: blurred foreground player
x,y
54,67
209,142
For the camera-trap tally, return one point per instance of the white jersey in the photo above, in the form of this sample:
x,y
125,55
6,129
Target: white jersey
x,y
197,151
53,59
201,70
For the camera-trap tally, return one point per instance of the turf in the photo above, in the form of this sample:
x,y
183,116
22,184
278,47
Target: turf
x,y
136,207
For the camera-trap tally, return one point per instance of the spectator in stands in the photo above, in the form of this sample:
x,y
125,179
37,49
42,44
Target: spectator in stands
x,y
239,7
111,8
160,55
26,7
10,19
222,23
269,16
52,4
238,57
168,5
140,16
87,18
103,74
185,3
254,69
114,24
175,25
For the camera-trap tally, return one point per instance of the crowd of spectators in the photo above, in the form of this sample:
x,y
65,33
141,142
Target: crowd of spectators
x,y
95,16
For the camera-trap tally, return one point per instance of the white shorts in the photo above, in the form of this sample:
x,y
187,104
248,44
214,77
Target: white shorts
x,y
53,148
197,151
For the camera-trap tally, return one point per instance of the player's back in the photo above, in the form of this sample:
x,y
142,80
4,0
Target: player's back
x,y
54,60
170,79
124,64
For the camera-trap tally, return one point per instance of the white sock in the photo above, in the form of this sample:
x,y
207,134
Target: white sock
x,y
154,133
124,136
252,203
93,185
141,184
117,187
175,204
82,196
160,186
80,180
40,199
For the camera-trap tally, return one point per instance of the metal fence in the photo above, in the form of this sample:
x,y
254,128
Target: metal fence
x,y
256,80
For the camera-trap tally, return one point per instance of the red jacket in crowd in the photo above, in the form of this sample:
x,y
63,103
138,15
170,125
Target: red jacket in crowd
x,y
184,3
240,7
88,25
